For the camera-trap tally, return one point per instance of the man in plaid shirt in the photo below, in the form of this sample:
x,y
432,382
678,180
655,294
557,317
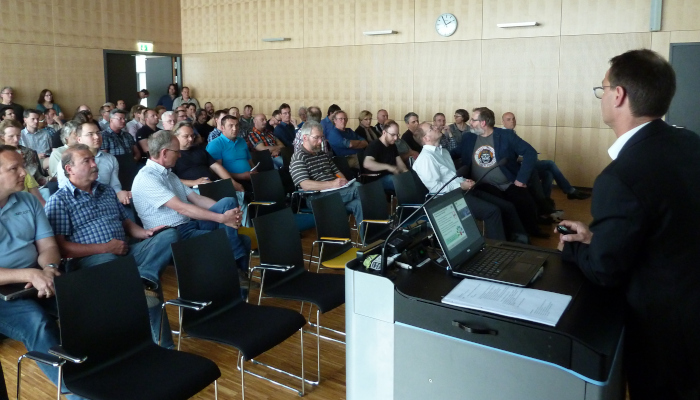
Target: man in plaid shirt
x,y
262,139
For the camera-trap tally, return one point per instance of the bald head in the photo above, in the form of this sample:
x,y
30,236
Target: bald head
x,y
429,134
259,121
508,119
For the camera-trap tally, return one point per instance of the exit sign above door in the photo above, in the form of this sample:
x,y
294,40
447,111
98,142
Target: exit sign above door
x,y
145,47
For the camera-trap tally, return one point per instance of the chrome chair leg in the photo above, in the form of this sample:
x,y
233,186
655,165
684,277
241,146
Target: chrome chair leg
x,y
216,389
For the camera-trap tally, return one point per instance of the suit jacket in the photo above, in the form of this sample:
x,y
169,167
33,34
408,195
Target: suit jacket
x,y
507,145
646,238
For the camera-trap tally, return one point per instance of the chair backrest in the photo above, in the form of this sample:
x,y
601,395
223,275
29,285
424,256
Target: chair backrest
x,y
218,190
344,167
128,168
331,221
287,153
206,271
409,188
279,242
103,314
267,186
264,158
374,206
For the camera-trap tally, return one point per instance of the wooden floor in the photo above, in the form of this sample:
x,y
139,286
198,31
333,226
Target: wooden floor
x,y
36,386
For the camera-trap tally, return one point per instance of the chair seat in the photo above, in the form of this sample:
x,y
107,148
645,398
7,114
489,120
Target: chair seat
x,y
141,376
251,329
250,232
340,261
326,291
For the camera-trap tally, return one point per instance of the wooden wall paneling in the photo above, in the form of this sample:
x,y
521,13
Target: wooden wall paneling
x,y
240,80
547,13
237,24
680,15
520,75
582,153
159,22
372,15
384,77
280,18
661,43
120,24
542,138
278,74
446,78
201,74
582,66
77,23
198,26
329,23
27,21
28,69
583,17
79,79
468,13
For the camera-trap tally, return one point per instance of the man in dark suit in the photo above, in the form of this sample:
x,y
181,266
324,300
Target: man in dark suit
x,y
645,232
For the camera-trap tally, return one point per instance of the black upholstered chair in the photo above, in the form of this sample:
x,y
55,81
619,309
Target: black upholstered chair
x,y
263,159
106,349
3,389
376,217
333,236
410,191
217,190
270,196
285,277
212,308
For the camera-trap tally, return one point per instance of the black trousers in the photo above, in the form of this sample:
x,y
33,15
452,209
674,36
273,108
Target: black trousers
x,y
523,202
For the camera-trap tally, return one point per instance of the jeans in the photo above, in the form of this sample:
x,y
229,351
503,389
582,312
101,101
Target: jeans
x,y
240,244
387,182
350,197
278,162
28,321
548,172
152,255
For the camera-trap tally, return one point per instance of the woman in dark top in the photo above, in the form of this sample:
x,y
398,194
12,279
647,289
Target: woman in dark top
x,y
167,99
365,129
460,127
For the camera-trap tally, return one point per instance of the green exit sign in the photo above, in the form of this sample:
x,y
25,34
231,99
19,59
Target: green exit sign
x,y
145,47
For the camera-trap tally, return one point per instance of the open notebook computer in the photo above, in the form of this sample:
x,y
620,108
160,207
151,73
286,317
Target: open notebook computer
x,y
466,251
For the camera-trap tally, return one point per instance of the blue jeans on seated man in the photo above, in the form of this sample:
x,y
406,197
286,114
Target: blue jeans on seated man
x,y
240,244
152,255
548,172
30,322
387,182
278,162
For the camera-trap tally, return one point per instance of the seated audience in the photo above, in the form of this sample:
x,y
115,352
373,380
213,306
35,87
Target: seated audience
x,y
37,139
314,170
382,156
209,108
365,130
52,121
285,131
195,166
167,100
344,141
136,121
232,152
7,94
161,199
91,228
302,112
382,117
191,112
121,105
274,120
10,132
447,141
246,120
168,120
7,112
46,102
216,132
29,255
150,126
104,117
412,136
68,138
31,186
117,141
200,125
435,168
314,114
509,181
184,98
327,123
460,127
261,139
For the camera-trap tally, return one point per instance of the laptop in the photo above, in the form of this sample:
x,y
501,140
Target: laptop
x,y
466,252
13,291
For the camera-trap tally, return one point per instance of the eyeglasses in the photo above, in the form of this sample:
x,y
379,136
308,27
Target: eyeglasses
x,y
314,137
174,151
341,119
10,93
94,134
598,91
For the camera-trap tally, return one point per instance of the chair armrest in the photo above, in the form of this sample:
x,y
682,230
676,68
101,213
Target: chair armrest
x,y
275,267
409,205
262,203
59,351
192,305
366,174
376,221
306,191
43,358
336,240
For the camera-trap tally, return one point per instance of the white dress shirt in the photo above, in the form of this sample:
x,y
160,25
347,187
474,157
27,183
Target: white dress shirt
x,y
435,167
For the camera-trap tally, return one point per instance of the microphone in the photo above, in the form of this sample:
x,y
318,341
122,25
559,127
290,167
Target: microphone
x,y
461,171
498,164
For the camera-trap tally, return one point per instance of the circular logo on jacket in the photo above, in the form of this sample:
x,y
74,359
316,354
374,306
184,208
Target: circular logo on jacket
x,y
485,156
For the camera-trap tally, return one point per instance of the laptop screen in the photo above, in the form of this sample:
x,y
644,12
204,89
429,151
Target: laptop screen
x,y
454,227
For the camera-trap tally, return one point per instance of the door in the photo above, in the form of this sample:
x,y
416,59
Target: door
x,y
120,78
685,59
159,74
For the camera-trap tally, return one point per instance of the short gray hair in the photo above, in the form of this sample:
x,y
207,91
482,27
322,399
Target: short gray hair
x,y
117,111
309,126
167,113
159,141
68,128
67,156
409,115
176,128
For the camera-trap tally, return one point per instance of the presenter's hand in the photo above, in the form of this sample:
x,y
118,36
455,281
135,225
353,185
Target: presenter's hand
x,y
467,184
583,234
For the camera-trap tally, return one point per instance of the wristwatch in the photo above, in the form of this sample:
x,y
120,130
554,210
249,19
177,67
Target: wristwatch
x,y
52,265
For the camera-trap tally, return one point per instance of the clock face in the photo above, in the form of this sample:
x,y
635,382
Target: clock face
x,y
446,24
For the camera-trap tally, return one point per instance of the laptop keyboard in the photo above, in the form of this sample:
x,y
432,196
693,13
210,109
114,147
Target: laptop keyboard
x,y
490,264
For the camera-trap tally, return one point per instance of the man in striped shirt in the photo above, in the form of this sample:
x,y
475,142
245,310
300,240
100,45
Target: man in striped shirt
x,y
313,170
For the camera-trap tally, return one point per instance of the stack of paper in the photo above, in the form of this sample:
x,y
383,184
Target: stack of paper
x,y
528,304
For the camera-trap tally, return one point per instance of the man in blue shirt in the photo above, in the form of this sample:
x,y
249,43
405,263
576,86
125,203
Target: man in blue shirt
x,y
91,228
327,123
285,131
344,141
231,150
29,255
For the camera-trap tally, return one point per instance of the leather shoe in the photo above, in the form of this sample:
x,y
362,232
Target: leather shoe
x,y
577,195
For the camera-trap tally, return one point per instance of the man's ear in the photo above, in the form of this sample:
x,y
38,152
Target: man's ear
x,y
620,96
